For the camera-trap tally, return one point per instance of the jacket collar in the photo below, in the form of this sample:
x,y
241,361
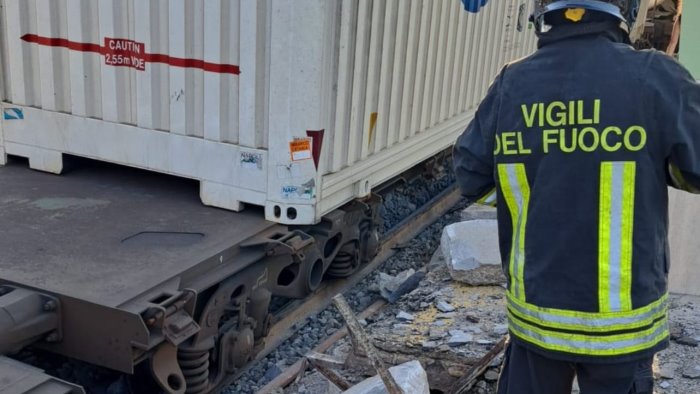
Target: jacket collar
x,y
606,29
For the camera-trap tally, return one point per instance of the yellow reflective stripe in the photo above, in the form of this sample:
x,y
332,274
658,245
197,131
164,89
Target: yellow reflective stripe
x,y
489,198
589,315
525,190
516,193
615,230
513,208
604,236
629,179
591,345
597,323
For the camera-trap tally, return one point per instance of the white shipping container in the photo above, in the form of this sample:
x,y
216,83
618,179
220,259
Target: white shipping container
x,y
298,106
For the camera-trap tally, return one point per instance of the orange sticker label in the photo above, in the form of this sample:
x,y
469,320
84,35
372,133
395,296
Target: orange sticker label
x,y
300,149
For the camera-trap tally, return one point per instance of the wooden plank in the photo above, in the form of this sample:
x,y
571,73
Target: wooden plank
x,y
288,376
467,381
329,373
357,332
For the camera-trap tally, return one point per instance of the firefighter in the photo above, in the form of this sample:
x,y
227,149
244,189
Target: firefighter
x,y
577,144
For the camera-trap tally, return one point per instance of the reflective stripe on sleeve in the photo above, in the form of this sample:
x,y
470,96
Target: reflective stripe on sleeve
x,y
516,193
615,230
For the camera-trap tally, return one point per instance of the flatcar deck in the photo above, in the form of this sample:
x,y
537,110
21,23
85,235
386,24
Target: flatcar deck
x,y
104,233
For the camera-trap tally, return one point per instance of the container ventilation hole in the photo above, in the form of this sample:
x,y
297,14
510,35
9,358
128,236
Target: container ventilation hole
x,y
291,213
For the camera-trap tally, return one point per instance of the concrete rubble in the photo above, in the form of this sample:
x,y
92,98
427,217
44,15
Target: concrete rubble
x,y
479,212
692,372
410,376
470,250
389,283
447,324
404,316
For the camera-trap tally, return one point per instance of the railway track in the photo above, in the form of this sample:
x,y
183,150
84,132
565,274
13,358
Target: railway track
x,y
287,318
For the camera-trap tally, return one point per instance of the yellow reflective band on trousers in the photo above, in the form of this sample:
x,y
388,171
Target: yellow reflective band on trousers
x,y
590,345
615,230
561,319
516,193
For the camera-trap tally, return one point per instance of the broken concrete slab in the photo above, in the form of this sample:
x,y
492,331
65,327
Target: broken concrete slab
x,y
429,345
500,329
444,307
667,371
687,341
471,252
692,372
436,333
405,316
410,376
459,338
388,284
478,212
491,375
317,383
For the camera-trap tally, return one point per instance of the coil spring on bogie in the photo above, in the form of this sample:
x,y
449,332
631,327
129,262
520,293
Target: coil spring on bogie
x,y
345,262
195,368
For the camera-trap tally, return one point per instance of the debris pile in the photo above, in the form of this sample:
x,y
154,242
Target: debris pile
x,y
445,326
677,369
456,331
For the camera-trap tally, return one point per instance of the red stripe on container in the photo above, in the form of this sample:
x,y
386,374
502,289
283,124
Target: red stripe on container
x,y
149,57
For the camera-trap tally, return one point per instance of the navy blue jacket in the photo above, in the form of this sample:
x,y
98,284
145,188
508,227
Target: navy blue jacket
x,y
579,141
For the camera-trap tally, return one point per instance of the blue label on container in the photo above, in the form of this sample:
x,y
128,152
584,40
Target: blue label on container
x,y
13,114
474,5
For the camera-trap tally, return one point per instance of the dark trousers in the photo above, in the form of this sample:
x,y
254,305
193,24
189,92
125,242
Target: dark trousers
x,y
527,372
